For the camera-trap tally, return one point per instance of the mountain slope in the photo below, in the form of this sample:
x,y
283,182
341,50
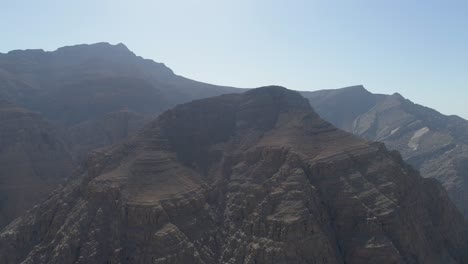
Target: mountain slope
x,y
256,177
435,144
78,83
33,160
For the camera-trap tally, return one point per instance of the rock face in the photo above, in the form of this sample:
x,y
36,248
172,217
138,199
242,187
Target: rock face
x,y
435,144
33,160
256,177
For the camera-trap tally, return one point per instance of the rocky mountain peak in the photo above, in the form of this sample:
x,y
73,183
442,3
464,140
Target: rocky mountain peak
x,y
193,129
398,95
278,97
258,108
355,88
96,49
97,57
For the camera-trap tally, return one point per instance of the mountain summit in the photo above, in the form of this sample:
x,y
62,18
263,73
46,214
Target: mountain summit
x,y
256,177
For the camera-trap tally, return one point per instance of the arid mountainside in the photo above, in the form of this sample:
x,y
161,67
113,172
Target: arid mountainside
x,y
256,177
435,144
33,160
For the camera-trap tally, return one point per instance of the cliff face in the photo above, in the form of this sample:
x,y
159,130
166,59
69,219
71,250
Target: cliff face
x,y
249,178
33,160
435,144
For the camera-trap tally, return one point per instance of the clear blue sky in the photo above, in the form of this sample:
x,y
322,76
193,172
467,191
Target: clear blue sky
x,y
416,48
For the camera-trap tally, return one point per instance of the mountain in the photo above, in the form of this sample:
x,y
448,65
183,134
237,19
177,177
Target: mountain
x,y
105,130
435,144
78,83
75,87
33,160
256,177
68,102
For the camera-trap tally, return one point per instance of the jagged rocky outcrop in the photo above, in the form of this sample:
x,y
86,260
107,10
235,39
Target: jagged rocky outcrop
x,y
435,144
33,160
256,177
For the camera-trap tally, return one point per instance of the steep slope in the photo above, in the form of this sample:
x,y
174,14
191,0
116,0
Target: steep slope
x,y
33,160
256,177
435,144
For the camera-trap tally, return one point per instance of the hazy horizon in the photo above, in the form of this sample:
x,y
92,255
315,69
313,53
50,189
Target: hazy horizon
x,y
414,48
